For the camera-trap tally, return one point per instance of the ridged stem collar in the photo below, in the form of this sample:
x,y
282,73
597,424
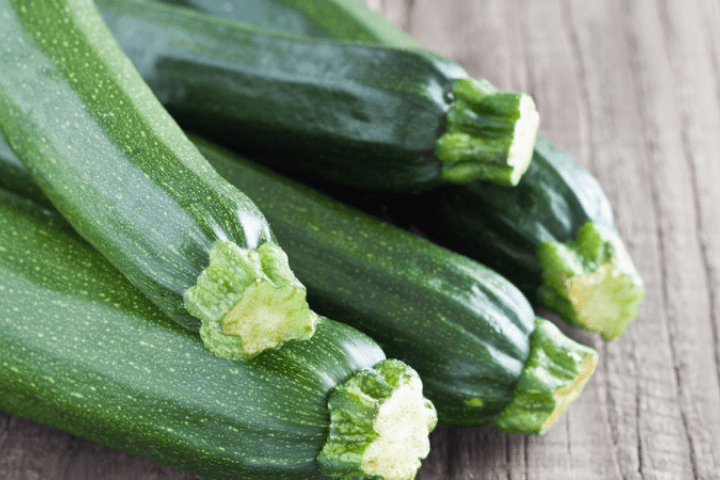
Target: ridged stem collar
x,y
490,134
249,301
591,281
555,373
379,424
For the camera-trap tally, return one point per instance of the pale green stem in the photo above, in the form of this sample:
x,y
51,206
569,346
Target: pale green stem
x,y
555,373
591,281
490,134
379,424
249,301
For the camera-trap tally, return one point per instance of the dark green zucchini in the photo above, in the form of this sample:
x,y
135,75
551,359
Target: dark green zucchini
x,y
83,351
365,116
113,161
468,332
554,235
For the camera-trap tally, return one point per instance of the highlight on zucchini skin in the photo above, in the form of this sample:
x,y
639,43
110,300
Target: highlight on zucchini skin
x,y
113,161
473,338
355,114
85,352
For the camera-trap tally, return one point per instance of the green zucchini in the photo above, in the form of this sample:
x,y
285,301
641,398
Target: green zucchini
x,y
83,351
469,333
113,161
362,115
553,235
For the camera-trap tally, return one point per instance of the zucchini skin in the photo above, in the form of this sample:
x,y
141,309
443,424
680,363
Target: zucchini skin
x,y
83,351
111,159
355,114
464,328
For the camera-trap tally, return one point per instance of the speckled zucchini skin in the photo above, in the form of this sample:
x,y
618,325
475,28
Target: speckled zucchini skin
x,y
462,327
83,351
109,156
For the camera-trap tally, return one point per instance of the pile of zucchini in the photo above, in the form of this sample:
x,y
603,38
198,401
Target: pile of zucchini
x,y
553,234
163,295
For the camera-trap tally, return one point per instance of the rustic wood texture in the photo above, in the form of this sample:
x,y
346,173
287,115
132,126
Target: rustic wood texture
x,y
632,90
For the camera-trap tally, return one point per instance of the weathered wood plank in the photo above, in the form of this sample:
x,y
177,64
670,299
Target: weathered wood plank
x,y
620,125
693,334
32,451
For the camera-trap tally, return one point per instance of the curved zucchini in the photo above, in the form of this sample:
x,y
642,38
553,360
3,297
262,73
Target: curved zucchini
x,y
83,351
469,333
554,235
116,165
361,115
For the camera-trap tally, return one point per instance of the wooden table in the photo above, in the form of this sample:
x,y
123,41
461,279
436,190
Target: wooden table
x,y
632,89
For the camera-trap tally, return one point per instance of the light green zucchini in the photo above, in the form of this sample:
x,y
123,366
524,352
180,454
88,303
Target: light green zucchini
x,y
112,160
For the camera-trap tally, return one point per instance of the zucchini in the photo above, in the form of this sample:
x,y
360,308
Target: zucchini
x,y
473,338
361,115
553,235
113,161
83,351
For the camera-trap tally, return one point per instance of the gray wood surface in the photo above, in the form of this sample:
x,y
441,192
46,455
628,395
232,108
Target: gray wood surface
x,y
632,90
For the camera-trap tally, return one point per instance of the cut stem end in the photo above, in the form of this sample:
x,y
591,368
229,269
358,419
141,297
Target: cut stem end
x,y
249,301
555,373
591,281
490,134
379,424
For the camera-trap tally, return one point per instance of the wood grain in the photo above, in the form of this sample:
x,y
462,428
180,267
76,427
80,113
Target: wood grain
x,y
632,90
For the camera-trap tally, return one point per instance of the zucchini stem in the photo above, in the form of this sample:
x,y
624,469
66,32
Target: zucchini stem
x,y
591,281
555,373
489,135
379,424
249,301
